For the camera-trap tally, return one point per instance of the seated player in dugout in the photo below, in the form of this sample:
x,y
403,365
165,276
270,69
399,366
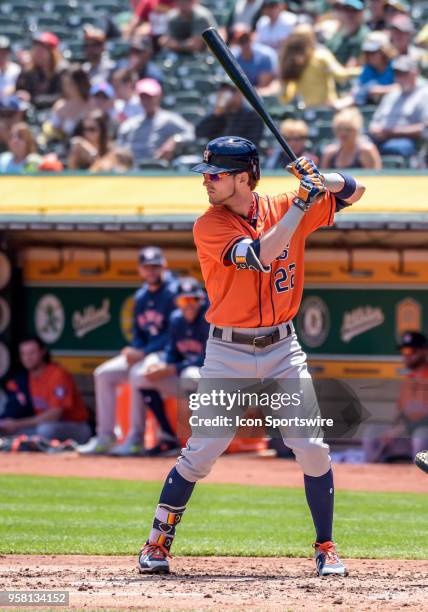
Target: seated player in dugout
x,y
251,251
154,303
184,355
43,398
408,435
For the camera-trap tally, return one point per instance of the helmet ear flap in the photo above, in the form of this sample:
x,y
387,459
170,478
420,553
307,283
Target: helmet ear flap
x,y
255,168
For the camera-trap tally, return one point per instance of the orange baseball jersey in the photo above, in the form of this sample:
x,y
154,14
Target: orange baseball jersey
x,y
413,403
249,298
55,388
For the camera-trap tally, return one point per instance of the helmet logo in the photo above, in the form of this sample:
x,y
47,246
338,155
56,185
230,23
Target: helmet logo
x,y
207,155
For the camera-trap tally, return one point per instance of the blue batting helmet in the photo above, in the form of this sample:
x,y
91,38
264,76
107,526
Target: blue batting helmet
x,y
230,154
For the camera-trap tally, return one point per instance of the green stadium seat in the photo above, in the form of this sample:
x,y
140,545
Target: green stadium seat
x,y
323,130
45,22
107,6
18,7
193,114
394,162
14,32
153,164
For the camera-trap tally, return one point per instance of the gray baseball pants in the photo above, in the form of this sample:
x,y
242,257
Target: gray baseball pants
x,y
227,360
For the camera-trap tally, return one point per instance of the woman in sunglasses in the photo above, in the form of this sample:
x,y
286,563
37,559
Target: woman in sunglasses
x,y
90,141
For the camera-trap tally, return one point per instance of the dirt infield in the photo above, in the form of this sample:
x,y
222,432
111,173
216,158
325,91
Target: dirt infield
x,y
238,469
217,584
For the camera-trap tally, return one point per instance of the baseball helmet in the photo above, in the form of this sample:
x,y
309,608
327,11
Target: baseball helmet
x,y
230,154
413,339
190,287
151,256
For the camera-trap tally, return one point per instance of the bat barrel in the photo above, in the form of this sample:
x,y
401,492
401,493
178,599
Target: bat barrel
x,y
224,55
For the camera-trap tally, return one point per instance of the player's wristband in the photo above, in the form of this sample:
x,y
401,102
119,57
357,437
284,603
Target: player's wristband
x,y
348,188
304,206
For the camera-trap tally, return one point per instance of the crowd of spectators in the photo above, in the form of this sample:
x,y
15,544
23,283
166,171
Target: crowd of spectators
x,y
138,89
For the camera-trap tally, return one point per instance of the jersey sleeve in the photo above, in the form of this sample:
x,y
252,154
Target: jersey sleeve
x,y
320,214
214,237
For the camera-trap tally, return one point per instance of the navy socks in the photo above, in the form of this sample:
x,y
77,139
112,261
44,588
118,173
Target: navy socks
x,y
320,497
177,490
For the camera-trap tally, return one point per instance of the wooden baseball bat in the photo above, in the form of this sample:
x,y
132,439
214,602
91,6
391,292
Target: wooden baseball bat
x,y
237,75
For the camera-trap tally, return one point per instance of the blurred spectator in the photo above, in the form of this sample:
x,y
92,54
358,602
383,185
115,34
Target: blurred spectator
x,y
139,59
152,134
127,103
71,107
377,18
154,303
244,11
352,149
12,110
296,132
9,70
90,141
231,115
409,433
184,355
21,156
118,160
98,63
399,120
308,71
42,79
259,62
150,17
394,8
346,43
57,410
185,26
275,24
377,76
50,163
102,96
402,30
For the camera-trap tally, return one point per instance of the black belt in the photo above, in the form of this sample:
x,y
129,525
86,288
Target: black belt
x,y
258,341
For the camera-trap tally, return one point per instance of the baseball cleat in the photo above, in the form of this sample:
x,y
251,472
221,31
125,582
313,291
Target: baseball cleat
x,y
127,449
421,460
153,559
328,561
167,448
96,446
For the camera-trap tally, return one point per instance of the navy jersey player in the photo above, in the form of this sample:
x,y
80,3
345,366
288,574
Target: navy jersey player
x,y
154,303
184,355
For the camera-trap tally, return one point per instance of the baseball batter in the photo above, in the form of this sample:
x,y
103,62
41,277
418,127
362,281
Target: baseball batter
x,y
251,251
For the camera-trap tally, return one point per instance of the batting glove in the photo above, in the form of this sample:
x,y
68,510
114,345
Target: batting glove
x,y
310,190
303,166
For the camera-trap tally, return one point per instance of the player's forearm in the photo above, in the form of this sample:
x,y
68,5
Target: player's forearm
x,y
335,183
53,414
277,237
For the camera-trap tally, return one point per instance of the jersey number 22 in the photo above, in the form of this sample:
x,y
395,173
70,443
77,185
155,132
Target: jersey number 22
x,y
283,280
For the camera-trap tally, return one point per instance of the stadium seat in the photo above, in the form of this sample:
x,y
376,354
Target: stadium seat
x,y
153,164
394,161
185,162
18,7
193,114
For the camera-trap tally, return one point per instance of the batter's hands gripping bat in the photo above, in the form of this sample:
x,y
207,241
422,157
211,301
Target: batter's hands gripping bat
x,y
237,75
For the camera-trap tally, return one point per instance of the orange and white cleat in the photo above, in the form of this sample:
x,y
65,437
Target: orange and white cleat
x,y
153,559
328,561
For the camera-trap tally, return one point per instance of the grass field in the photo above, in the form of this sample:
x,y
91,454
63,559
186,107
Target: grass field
x,y
89,516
